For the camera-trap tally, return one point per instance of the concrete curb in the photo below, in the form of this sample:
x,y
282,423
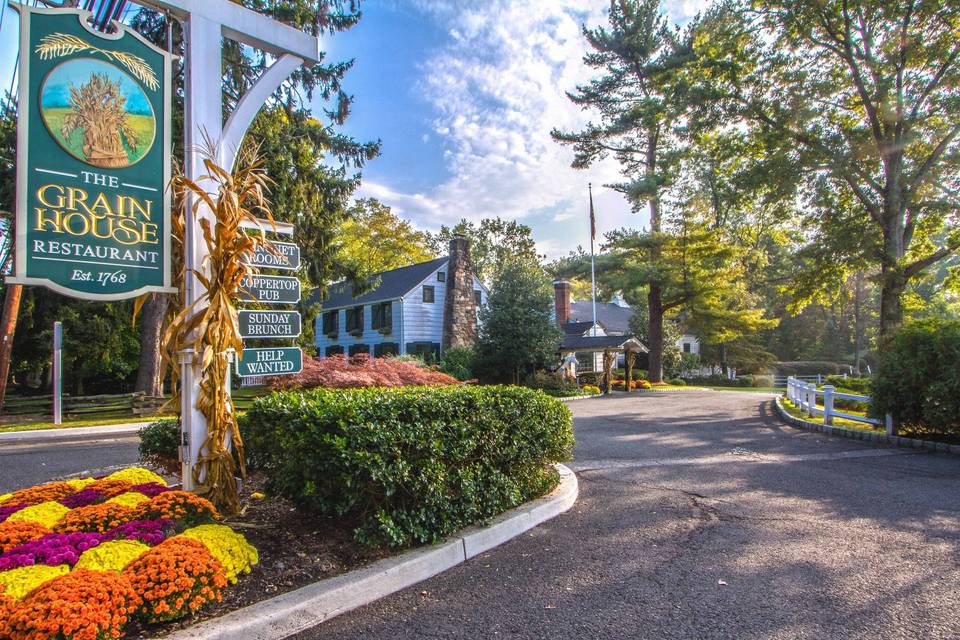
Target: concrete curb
x,y
586,397
293,612
66,433
855,434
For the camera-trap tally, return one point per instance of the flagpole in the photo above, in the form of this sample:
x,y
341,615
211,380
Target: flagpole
x,y
593,269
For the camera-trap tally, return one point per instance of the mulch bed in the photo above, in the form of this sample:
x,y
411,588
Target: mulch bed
x,y
295,548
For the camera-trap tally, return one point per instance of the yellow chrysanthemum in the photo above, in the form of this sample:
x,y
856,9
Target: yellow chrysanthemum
x,y
129,499
20,581
80,483
5,497
111,556
45,513
226,545
137,475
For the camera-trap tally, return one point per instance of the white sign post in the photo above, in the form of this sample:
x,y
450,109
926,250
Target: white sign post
x,y
205,24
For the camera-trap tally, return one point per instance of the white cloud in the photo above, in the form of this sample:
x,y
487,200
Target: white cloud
x,y
497,88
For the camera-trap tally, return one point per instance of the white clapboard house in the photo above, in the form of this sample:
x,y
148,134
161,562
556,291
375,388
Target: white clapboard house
x,y
421,309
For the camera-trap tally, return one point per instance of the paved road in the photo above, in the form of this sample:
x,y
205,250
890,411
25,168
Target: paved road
x,y
701,516
24,464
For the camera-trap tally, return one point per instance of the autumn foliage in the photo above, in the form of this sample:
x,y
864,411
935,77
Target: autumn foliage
x,y
339,372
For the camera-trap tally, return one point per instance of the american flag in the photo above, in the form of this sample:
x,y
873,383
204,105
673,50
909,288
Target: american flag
x,y
593,218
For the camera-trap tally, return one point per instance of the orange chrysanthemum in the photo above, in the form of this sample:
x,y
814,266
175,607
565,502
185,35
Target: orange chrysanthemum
x,y
175,578
98,518
41,493
110,487
13,534
81,605
181,506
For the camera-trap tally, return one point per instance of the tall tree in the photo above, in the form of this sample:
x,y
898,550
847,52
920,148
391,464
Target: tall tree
x,y
866,93
374,239
517,331
494,243
635,95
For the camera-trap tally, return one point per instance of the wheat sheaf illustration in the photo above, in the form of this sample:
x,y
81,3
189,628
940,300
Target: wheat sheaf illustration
x,y
56,45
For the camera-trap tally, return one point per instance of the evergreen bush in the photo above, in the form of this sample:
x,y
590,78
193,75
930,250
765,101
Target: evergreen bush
x,y
458,362
411,464
918,380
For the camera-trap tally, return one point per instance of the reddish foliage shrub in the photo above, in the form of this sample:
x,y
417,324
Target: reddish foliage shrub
x,y
339,372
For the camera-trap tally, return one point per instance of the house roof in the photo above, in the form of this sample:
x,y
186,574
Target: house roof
x,y
393,284
614,318
576,328
595,343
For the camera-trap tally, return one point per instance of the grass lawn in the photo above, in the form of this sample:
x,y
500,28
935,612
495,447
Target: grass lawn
x,y
793,410
85,422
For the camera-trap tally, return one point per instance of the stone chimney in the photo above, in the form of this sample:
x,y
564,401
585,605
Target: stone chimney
x,y
561,301
459,307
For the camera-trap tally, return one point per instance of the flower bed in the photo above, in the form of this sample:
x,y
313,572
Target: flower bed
x,y
79,560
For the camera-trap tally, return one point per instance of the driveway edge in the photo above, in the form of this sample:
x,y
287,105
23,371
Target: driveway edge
x,y
306,607
855,434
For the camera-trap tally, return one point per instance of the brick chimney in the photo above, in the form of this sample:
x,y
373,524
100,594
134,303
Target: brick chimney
x,y
459,307
561,301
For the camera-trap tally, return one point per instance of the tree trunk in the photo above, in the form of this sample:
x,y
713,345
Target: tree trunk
x,y
858,330
150,373
655,332
893,281
11,309
655,295
723,360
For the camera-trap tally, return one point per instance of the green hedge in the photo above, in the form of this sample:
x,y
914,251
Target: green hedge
x,y
918,380
411,464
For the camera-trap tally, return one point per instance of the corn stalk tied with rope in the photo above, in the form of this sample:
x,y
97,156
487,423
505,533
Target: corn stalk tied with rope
x,y
210,327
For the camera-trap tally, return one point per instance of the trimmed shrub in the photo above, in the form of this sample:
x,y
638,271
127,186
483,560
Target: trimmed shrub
x,y
677,382
458,362
412,464
760,380
852,384
809,367
918,380
339,372
158,444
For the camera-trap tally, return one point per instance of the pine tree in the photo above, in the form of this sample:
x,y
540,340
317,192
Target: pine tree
x,y
636,95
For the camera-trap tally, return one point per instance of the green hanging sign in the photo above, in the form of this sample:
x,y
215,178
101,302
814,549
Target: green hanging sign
x,y
93,158
274,361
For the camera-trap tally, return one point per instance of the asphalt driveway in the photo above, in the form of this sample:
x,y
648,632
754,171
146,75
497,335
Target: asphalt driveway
x,y
702,516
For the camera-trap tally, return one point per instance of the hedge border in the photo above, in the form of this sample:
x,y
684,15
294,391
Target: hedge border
x,y
856,434
296,611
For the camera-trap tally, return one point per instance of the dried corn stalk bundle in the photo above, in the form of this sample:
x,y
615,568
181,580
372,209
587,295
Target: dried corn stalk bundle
x,y
210,327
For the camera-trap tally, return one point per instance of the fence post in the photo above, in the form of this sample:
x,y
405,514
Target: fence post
x,y
789,389
828,404
811,400
819,379
888,423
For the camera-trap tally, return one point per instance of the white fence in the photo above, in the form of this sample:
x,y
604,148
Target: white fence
x,y
804,395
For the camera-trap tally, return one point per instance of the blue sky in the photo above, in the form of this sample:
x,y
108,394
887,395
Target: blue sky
x,y
463,94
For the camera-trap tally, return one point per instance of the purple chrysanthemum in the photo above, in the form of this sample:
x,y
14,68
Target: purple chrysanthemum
x,y
150,532
150,489
7,511
83,498
52,549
